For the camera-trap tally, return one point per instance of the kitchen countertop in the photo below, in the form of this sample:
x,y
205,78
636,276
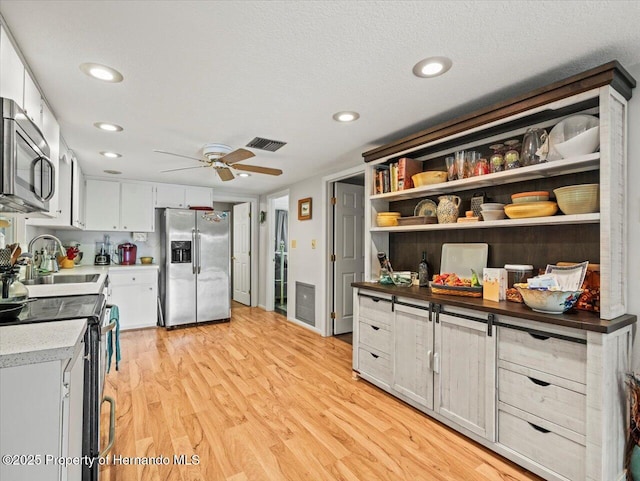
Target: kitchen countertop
x,y
52,290
41,342
587,321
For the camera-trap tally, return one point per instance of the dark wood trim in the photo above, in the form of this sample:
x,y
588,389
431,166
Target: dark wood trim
x,y
611,73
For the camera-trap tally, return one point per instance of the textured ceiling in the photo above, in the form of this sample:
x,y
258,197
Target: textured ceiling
x,y
204,71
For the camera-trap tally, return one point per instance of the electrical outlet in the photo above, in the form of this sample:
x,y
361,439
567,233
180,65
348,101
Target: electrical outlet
x,y
313,243
294,243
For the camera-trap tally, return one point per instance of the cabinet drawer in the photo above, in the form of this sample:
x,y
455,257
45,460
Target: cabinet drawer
x,y
375,309
133,277
376,335
375,365
547,354
545,447
557,404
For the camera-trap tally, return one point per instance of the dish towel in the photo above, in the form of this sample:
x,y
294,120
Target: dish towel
x,y
113,334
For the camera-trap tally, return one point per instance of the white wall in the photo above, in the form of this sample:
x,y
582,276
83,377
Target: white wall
x,y
633,211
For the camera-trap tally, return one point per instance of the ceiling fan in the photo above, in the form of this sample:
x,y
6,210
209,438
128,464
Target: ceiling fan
x,y
222,159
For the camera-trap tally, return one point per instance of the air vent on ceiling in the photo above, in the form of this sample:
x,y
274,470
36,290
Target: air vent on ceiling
x,y
265,144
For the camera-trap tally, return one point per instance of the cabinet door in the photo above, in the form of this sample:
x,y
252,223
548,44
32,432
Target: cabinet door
x,y
72,402
136,207
465,366
198,196
11,70
77,194
32,100
102,203
171,196
135,293
412,354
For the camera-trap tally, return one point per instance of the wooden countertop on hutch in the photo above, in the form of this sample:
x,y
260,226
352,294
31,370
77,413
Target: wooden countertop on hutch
x,y
587,321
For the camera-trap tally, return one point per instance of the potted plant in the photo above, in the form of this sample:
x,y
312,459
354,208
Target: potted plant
x,y
633,446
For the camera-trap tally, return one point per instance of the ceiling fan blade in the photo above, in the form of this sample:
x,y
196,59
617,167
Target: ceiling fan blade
x,y
258,170
237,156
177,155
184,168
225,174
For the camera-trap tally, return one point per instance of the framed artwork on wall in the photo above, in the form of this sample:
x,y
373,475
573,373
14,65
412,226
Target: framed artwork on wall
x,y
304,209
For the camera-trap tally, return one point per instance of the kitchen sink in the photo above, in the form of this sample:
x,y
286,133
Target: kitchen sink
x,y
70,279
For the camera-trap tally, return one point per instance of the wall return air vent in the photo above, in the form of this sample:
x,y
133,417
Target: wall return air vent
x,y
265,144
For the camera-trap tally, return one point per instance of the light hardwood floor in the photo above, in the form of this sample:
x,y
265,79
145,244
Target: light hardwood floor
x,y
260,398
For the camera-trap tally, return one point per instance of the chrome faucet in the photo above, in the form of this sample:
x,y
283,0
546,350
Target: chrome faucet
x,y
59,245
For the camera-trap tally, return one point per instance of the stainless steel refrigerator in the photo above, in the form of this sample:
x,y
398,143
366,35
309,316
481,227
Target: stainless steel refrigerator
x,y
195,280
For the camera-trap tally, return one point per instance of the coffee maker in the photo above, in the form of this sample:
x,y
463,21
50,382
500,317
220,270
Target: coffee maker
x,y
127,254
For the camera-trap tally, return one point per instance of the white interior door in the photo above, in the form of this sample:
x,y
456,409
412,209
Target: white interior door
x,y
242,253
349,252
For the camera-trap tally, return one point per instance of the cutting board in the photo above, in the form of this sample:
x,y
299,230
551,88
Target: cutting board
x,y
461,258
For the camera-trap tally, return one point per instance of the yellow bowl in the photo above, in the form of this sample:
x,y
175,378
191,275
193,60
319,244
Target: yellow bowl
x,y
428,178
578,199
387,221
530,209
146,260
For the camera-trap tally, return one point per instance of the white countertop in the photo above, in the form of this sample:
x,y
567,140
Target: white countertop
x,y
40,342
80,288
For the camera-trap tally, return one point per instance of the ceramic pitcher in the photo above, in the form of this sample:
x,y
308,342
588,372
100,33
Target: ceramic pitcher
x,y
447,210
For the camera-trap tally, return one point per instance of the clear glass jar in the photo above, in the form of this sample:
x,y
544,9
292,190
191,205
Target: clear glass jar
x,y
512,155
496,161
481,167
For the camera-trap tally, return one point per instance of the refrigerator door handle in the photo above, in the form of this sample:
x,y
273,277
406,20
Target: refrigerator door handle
x,y
199,247
194,251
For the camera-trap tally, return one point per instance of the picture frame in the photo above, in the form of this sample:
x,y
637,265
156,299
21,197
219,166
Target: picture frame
x,y
304,209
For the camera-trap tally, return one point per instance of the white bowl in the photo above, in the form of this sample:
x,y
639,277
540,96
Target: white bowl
x,y
585,143
549,302
491,206
566,130
493,214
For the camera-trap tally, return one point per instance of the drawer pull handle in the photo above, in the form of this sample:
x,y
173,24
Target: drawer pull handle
x,y
539,337
374,355
375,328
375,300
538,381
538,428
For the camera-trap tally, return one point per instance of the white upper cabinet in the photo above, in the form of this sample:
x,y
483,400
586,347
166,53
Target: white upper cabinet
x,y
77,195
32,100
115,206
181,196
169,195
136,207
198,196
11,70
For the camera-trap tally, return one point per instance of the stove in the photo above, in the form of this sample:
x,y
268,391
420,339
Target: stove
x,y
47,309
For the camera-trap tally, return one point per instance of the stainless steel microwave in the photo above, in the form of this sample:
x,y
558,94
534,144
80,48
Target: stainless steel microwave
x,y
27,178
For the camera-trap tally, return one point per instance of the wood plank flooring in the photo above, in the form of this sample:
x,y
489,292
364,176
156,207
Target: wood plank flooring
x,y
260,398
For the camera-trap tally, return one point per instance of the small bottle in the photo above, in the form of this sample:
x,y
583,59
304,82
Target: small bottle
x,y
423,271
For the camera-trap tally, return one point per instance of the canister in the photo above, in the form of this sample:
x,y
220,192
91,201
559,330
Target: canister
x,y
518,273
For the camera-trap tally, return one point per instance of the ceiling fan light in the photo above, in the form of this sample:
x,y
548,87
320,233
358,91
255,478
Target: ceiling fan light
x,y
432,67
243,174
108,127
101,72
346,116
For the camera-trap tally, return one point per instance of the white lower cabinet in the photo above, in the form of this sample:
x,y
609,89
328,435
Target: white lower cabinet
x,y
135,292
41,409
464,368
413,353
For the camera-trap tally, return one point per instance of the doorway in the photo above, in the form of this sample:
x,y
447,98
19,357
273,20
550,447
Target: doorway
x,y
347,239
280,249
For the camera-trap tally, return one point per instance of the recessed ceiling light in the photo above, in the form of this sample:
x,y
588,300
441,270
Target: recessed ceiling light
x,y
244,174
111,155
346,116
112,172
108,127
101,72
432,67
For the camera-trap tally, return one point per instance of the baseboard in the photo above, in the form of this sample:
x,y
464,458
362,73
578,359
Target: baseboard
x,y
305,325
262,306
